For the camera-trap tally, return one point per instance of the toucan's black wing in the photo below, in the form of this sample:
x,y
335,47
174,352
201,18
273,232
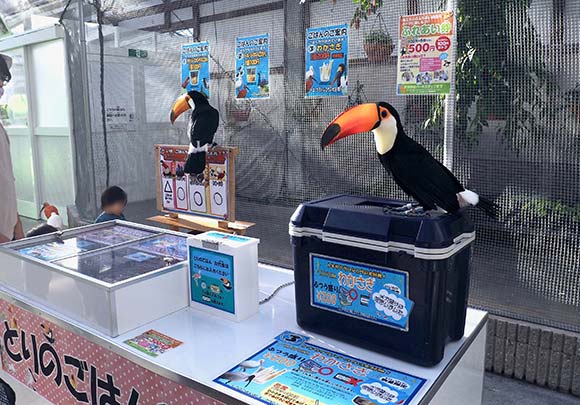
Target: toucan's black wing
x,y
421,175
205,125
202,131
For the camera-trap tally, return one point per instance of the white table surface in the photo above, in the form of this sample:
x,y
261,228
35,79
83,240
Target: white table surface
x,y
213,345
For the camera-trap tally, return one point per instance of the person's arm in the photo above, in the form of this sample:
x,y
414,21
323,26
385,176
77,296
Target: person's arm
x,y
18,231
4,239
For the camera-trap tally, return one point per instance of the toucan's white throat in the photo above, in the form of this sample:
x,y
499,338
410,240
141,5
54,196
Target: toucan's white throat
x,y
385,135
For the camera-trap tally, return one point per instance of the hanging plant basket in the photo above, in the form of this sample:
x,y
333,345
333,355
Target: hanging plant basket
x,y
307,110
377,43
376,52
238,112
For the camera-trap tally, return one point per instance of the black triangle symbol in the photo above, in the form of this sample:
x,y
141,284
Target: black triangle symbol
x,y
167,188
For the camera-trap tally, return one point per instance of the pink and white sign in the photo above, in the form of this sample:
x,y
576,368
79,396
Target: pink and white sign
x,y
66,368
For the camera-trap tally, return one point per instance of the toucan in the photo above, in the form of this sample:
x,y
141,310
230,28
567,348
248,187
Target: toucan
x,y
203,124
413,168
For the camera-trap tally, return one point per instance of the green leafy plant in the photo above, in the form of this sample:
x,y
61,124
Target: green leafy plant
x,y
495,80
378,37
363,10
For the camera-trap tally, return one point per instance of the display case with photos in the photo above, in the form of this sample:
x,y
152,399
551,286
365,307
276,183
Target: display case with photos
x,y
113,276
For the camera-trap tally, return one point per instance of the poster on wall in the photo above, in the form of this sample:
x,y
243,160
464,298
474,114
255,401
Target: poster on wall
x,y
326,61
293,371
253,66
210,193
425,59
195,67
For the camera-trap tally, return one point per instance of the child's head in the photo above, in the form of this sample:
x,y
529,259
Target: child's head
x,y
113,200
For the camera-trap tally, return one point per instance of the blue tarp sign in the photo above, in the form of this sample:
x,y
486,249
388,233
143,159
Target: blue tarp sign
x,y
253,66
327,61
371,293
293,371
212,279
195,67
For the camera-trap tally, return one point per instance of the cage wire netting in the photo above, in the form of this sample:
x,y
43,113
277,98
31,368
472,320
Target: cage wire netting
x,y
515,128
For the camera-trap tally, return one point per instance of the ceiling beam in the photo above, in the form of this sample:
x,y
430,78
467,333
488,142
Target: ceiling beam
x,y
191,23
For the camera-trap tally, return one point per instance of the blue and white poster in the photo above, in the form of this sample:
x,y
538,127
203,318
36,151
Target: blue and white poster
x,y
253,66
293,371
212,279
370,293
195,67
327,61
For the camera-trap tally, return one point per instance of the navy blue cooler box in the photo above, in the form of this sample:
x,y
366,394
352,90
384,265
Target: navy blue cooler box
x,y
378,278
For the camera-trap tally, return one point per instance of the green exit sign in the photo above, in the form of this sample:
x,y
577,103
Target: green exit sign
x,y
137,53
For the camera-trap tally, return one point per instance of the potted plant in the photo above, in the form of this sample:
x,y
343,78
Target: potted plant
x,y
378,45
238,112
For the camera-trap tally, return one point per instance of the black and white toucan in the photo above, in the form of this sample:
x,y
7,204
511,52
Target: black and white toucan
x,y
413,168
203,124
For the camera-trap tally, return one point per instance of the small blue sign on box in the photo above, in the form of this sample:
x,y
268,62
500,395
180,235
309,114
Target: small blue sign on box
x,y
371,293
212,279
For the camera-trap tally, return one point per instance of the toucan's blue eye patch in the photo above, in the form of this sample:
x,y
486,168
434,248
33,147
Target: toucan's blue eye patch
x,y
384,114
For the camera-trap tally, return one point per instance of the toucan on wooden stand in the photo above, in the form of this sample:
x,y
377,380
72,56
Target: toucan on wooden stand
x,y
197,205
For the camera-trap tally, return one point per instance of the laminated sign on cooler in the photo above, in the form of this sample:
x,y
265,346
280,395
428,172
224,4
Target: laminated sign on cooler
x,y
370,274
223,274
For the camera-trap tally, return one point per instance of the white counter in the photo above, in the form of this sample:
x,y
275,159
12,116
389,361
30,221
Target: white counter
x,y
213,345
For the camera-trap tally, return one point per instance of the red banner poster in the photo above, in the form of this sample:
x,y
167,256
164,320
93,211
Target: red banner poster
x,y
66,368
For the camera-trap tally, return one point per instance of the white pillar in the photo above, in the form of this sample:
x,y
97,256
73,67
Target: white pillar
x,y
449,113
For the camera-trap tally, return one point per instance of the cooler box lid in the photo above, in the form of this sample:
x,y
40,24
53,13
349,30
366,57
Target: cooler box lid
x,y
373,223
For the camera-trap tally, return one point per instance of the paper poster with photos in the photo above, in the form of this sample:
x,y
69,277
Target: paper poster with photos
x,y
291,370
326,61
426,53
210,194
253,67
195,67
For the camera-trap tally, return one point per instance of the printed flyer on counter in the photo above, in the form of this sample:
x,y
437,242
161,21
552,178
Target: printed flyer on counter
x,y
292,371
153,343
195,67
327,61
425,53
253,66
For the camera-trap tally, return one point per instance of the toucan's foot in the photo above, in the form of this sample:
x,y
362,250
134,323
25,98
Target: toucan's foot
x,y
406,207
414,210
436,211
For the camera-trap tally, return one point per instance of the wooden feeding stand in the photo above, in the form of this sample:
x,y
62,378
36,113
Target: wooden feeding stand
x,y
202,203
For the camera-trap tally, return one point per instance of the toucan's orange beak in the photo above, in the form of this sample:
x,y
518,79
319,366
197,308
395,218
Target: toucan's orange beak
x,y
179,107
355,120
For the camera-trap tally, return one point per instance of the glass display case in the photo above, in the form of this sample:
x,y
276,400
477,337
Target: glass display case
x,y
113,276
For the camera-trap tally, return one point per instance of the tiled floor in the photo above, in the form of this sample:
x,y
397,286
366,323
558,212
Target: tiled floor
x,y
24,396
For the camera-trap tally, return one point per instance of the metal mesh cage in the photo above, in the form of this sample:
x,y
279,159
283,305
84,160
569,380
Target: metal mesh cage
x,y
515,135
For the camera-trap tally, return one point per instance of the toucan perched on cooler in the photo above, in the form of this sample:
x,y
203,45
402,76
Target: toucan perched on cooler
x,y
418,173
203,124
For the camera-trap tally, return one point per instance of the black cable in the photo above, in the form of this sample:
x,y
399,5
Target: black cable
x,y
64,12
100,14
276,291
